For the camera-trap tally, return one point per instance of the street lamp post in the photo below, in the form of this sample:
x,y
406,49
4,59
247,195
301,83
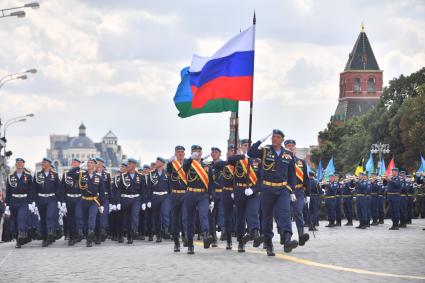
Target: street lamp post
x,y
380,149
16,76
9,12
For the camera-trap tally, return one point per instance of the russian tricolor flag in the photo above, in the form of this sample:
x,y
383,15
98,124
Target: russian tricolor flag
x,y
228,74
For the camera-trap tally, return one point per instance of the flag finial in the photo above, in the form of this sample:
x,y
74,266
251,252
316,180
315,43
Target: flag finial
x,y
254,20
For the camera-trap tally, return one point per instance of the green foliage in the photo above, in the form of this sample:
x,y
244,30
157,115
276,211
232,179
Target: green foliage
x,y
398,120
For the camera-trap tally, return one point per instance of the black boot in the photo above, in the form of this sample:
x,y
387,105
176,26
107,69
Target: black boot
x,y
129,238
338,223
258,239
228,241
241,245
394,227
44,243
269,248
91,237
207,240
288,244
150,237
166,235
190,247
103,235
349,223
184,239
302,237
331,224
51,237
158,238
374,222
381,221
246,238
223,236
214,240
176,245
360,225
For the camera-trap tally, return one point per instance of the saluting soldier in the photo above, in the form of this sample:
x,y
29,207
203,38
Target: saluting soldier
x,y
410,198
102,223
93,196
178,181
18,201
302,192
278,184
199,196
49,200
132,194
72,197
158,196
375,199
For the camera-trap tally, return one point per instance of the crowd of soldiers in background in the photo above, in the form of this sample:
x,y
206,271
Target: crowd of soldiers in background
x,y
179,197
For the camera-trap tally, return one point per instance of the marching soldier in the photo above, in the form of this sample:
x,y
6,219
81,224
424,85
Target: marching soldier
x,y
302,192
48,196
178,181
381,200
347,199
116,214
158,190
375,199
72,197
393,196
410,198
279,181
145,221
18,200
362,189
132,194
338,202
216,219
403,200
92,198
330,201
102,222
314,205
199,196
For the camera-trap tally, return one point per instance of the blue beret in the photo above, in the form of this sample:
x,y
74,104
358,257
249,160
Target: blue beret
x,y
290,142
146,166
231,146
179,147
19,159
196,147
93,160
394,169
47,159
278,132
215,149
100,159
244,141
161,159
76,159
403,172
132,160
124,163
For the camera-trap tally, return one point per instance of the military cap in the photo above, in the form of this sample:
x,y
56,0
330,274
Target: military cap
x,y
47,159
196,147
76,159
278,132
244,141
124,163
179,147
215,149
402,172
19,159
93,160
161,159
311,173
394,169
100,159
132,160
231,146
146,166
290,142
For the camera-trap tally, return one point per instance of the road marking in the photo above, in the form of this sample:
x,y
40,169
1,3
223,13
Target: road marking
x,y
330,266
5,258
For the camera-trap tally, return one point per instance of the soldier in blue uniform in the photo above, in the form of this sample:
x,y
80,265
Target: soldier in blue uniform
x,y
403,200
347,199
116,214
410,199
102,223
92,198
216,219
302,192
375,199
381,200
158,196
362,189
178,181
330,201
72,197
246,197
314,205
199,195
133,192
278,185
393,197
338,201
48,196
18,201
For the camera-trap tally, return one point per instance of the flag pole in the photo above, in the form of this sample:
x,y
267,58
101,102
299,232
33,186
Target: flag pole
x,y
251,103
236,128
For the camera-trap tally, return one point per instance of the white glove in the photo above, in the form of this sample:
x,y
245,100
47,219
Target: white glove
x,y
83,166
7,211
119,206
232,195
59,205
206,156
149,205
194,155
31,208
249,192
114,207
172,158
143,206
307,200
266,137
64,210
101,209
111,207
293,198
211,206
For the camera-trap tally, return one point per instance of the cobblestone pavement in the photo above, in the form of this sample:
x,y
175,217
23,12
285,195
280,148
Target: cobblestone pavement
x,y
342,254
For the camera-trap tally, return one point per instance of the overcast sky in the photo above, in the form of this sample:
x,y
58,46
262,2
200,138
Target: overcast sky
x,y
115,66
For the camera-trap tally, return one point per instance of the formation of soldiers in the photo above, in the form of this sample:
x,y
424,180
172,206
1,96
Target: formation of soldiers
x,y
177,198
